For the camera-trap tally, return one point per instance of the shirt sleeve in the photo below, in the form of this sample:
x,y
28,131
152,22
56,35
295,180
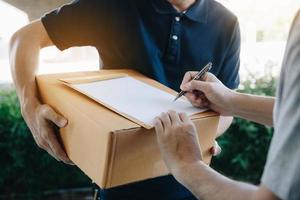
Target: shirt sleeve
x,y
282,170
229,75
79,23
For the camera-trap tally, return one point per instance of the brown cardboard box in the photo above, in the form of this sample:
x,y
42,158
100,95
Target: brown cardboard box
x,y
109,148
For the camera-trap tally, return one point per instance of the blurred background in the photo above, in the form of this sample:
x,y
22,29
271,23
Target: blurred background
x,y
29,173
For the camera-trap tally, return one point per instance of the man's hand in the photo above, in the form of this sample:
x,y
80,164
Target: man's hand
x,y
42,121
24,49
178,140
179,147
209,93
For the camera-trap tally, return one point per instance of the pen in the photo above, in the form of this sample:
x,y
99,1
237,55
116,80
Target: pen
x,y
198,76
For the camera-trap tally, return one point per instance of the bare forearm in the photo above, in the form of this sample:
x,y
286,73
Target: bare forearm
x,y
25,46
24,63
181,155
254,108
207,184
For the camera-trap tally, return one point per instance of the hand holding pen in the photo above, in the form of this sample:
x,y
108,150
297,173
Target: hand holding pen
x,y
198,76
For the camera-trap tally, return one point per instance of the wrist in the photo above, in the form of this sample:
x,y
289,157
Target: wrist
x,y
185,172
28,96
29,104
233,102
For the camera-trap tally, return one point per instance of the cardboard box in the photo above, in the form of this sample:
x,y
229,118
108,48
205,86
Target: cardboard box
x,y
109,148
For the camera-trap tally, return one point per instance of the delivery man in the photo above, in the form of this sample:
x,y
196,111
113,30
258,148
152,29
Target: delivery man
x,y
162,39
281,178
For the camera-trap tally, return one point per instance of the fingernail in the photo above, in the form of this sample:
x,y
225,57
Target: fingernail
x,y
153,121
182,87
212,151
63,122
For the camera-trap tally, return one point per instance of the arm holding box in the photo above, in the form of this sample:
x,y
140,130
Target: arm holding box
x,y
25,47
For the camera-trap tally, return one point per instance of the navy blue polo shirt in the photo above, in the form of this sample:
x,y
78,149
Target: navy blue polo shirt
x,y
150,36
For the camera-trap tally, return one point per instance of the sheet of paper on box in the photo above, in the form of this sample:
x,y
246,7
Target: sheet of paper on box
x,y
134,98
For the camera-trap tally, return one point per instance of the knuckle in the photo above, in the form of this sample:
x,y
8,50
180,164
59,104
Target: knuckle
x,y
187,74
41,110
177,126
182,114
188,126
164,115
43,144
44,135
193,84
172,112
45,110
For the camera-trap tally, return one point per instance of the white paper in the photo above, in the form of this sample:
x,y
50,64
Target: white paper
x,y
135,98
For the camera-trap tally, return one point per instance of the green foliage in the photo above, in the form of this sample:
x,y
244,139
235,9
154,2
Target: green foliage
x,y
24,168
245,144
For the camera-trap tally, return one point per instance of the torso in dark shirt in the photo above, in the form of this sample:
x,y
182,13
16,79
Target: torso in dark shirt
x,y
150,36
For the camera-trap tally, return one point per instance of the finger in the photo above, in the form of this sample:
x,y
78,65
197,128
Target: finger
x,y
201,103
158,126
192,100
57,119
204,103
196,102
184,118
209,77
174,117
38,140
166,121
187,78
191,96
58,150
216,149
44,145
201,86
55,146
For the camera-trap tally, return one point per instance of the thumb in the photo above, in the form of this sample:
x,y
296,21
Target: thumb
x,y
57,119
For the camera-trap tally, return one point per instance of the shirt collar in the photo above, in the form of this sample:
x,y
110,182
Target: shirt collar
x,y
197,12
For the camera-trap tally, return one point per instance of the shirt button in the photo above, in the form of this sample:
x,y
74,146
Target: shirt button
x,y
175,37
177,19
